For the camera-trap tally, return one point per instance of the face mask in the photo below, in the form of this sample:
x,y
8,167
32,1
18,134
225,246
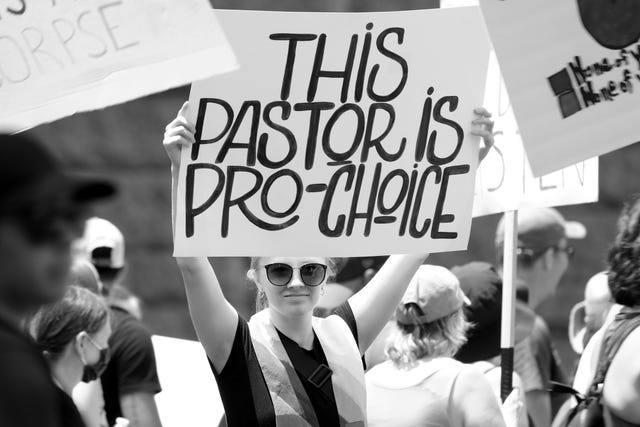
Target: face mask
x,y
93,371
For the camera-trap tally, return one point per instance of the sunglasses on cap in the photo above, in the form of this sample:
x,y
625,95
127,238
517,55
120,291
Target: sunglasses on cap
x,y
312,274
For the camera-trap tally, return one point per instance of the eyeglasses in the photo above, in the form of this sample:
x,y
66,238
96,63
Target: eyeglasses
x,y
531,254
311,274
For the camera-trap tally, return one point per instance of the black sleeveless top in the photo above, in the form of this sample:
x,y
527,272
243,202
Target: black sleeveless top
x,y
243,389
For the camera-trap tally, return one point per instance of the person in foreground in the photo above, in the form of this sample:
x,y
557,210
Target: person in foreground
x,y
421,384
42,210
621,392
73,334
285,367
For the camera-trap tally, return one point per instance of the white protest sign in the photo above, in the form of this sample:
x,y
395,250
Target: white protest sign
x,y
504,180
189,395
341,134
63,56
572,68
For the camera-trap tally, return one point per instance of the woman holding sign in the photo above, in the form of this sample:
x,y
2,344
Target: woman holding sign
x,y
285,367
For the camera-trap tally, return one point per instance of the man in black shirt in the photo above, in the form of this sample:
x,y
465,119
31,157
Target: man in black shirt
x,y
42,209
130,381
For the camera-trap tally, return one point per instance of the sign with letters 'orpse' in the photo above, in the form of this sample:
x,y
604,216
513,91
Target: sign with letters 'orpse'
x,y
60,57
572,68
341,134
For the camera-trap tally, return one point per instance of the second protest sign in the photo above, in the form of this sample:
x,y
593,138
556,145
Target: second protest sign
x,y
341,134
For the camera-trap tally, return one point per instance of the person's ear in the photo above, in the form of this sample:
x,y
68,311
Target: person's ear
x,y
251,275
80,342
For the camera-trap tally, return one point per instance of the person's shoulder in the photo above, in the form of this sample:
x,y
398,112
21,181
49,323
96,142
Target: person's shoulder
x,y
22,367
126,324
628,350
471,381
540,334
20,349
540,325
129,334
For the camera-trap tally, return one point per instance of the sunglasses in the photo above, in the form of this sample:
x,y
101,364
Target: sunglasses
x,y
530,253
312,274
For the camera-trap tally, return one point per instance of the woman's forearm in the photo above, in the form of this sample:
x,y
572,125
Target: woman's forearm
x,y
375,303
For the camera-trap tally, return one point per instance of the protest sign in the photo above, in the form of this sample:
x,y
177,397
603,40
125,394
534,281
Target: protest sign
x,y
62,57
572,68
341,134
504,180
189,395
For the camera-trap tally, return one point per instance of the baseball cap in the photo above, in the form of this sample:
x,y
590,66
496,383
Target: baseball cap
x,y
436,291
104,243
30,176
541,228
483,286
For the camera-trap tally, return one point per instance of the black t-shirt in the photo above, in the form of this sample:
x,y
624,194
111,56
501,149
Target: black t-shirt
x,y
244,392
28,396
68,410
132,368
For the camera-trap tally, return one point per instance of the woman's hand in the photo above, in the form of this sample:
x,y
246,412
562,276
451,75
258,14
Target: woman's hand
x,y
179,133
483,127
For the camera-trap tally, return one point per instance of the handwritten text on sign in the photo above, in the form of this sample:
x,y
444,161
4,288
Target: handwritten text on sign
x,y
575,87
342,134
63,56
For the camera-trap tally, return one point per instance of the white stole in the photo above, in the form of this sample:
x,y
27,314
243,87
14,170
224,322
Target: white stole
x,y
290,401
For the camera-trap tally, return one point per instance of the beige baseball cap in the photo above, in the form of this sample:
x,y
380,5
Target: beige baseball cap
x,y
541,228
436,290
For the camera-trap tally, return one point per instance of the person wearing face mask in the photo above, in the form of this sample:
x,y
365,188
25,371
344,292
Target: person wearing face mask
x,y
73,335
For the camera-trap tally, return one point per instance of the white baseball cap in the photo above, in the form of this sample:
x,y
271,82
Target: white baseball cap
x,y
104,243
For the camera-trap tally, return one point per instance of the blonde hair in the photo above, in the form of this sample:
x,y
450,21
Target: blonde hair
x,y
262,301
440,338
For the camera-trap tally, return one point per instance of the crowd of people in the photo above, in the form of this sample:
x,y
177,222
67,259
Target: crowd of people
x,y
387,341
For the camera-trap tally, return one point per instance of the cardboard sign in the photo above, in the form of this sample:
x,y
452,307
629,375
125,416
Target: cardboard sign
x,y
60,57
504,180
189,394
572,68
341,135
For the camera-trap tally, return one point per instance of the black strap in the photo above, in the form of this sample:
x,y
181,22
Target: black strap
x,y
625,322
316,373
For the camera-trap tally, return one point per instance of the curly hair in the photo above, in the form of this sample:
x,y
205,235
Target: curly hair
x,y
440,338
624,257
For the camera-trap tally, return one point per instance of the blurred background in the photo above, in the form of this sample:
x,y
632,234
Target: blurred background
x,y
124,143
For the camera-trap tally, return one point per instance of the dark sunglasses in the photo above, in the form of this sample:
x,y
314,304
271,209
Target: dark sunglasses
x,y
311,274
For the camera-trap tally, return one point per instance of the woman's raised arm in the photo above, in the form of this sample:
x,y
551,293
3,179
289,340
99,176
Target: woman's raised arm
x,y
375,303
373,306
213,317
